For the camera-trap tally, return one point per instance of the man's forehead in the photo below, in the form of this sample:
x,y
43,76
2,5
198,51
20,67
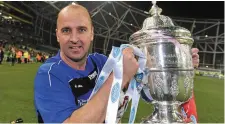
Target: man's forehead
x,y
72,25
71,10
73,21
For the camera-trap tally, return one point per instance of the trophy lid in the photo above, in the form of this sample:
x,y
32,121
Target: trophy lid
x,y
160,26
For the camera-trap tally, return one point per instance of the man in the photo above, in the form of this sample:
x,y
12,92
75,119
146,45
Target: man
x,y
59,75
18,56
26,54
1,55
63,83
13,55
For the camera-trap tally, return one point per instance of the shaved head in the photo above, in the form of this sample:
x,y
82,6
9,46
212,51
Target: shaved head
x,y
75,33
73,8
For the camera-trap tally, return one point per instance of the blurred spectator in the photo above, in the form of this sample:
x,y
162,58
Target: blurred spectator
x,y
43,58
13,56
18,56
38,57
46,57
26,54
8,56
1,55
28,58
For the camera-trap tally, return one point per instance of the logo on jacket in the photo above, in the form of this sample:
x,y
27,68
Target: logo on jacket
x,y
82,102
91,76
78,86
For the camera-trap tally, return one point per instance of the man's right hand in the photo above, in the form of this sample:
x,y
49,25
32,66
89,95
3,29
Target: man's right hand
x,y
130,66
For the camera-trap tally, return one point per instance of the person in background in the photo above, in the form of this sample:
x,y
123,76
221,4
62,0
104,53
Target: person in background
x,y
46,56
42,57
13,56
18,56
38,57
8,52
1,55
26,54
28,58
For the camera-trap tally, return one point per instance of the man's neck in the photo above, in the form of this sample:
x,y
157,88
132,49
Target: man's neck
x,y
75,65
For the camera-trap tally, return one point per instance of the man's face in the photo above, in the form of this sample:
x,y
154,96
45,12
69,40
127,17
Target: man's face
x,y
74,33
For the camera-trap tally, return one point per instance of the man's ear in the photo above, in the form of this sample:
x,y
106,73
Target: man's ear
x,y
92,33
56,32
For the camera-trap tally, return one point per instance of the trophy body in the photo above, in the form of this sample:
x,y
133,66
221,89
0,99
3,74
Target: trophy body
x,y
169,65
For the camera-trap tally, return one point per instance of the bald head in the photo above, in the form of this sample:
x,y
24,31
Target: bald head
x,y
73,9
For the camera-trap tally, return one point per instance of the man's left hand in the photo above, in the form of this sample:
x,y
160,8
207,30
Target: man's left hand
x,y
195,57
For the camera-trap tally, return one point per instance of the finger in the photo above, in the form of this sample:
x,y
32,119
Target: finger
x,y
195,55
130,56
194,50
195,59
196,63
135,64
128,50
187,120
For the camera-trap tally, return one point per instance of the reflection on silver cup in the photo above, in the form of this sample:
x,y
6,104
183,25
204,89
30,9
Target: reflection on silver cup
x,y
169,63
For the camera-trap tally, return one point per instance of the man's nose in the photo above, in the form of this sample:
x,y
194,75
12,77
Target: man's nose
x,y
74,37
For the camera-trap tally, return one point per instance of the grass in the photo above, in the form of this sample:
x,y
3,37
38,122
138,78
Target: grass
x,y
16,96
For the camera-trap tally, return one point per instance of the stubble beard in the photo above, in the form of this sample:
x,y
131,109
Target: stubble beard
x,y
79,59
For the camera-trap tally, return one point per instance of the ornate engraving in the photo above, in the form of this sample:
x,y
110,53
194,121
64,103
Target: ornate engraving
x,y
158,61
168,76
174,89
179,57
158,84
188,83
192,81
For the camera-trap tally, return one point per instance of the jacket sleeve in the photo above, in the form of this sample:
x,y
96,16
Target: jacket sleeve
x,y
53,98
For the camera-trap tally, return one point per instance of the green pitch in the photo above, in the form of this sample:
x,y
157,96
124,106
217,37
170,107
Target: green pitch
x,y
16,96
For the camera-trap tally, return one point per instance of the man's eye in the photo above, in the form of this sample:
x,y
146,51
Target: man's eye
x,y
82,30
65,30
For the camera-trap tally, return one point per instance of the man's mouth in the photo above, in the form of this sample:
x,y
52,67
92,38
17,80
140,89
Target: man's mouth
x,y
75,47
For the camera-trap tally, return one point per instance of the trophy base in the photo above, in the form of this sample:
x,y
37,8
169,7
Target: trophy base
x,y
164,113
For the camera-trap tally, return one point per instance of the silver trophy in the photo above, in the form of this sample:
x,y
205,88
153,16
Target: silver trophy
x,y
169,65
